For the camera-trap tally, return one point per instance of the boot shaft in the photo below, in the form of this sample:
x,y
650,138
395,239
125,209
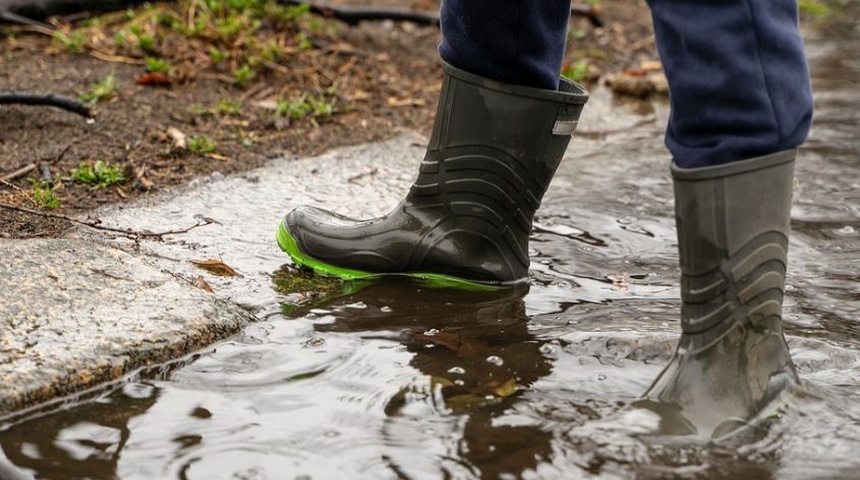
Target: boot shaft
x,y
733,224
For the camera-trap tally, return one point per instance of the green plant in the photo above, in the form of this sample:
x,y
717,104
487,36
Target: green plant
x,y
43,195
313,106
202,144
228,107
576,71
120,39
158,65
218,56
101,90
146,42
304,41
287,14
73,41
99,174
814,8
243,75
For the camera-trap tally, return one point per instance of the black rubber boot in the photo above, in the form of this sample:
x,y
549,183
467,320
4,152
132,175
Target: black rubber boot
x,y
467,218
732,366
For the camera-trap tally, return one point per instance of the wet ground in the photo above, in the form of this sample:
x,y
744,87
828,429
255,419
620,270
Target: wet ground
x,y
392,380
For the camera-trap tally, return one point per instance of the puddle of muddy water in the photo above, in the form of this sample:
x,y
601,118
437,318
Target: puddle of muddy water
x,y
397,381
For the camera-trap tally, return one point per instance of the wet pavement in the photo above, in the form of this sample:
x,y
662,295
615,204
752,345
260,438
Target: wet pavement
x,y
394,380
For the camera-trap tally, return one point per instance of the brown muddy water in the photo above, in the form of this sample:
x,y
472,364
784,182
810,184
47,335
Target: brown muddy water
x,y
394,380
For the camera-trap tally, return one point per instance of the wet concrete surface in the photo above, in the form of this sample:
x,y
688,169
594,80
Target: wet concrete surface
x,y
77,314
392,380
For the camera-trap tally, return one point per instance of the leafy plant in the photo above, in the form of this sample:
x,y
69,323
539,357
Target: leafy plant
x,y
105,88
43,195
146,42
217,55
202,144
73,41
228,107
814,8
99,174
243,75
312,106
157,65
577,71
304,41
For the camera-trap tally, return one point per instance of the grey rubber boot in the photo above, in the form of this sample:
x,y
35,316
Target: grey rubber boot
x,y
732,364
467,218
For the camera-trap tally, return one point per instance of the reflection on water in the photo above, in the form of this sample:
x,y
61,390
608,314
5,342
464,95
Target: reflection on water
x,y
394,380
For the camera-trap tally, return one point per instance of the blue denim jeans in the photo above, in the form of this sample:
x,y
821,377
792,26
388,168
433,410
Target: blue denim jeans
x,y
738,79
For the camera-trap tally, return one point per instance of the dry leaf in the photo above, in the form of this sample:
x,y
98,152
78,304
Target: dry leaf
x,y
503,389
216,156
216,267
200,283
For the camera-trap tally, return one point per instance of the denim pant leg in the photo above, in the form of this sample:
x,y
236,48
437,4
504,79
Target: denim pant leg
x,y
738,78
512,41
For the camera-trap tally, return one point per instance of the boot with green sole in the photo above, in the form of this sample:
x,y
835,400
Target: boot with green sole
x,y
466,220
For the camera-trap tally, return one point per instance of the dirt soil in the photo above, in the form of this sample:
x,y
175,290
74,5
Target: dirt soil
x,y
378,77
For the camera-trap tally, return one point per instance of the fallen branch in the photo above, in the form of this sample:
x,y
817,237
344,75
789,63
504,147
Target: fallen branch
x,y
18,173
355,15
94,225
49,99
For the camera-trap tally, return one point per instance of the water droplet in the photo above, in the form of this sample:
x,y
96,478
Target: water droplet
x,y
457,370
495,360
431,332
601,377
459,382
386,309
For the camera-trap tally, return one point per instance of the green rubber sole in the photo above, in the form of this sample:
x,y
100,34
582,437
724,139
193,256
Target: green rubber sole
x,y
434,280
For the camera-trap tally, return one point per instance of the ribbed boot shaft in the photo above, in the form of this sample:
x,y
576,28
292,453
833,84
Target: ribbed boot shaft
x,y
733,224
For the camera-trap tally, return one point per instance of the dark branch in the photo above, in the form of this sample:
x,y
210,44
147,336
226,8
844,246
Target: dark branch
x,y
354,15
50,99
93,224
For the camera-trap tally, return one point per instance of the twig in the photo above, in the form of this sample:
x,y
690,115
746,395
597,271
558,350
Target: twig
x,y
354,15
123,231
12,17
50,99
18,173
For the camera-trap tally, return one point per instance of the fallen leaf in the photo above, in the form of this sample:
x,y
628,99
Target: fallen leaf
x,y
503,389
216,156
154,79
216,267
200,283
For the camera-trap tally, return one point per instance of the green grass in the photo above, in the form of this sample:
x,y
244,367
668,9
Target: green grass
x,y
577,71
157,65
99,174
43,195
104,89
202,144
814,8
73,41
313,106
243,75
